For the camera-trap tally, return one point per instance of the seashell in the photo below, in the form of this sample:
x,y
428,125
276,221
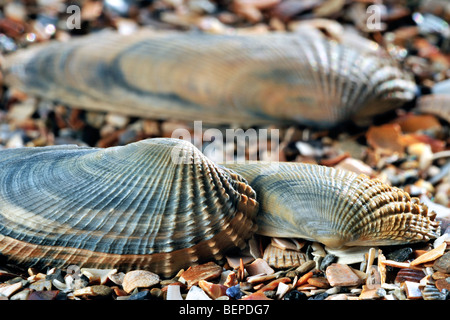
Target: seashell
x,y
283,258
436,104
407,274
130,206
161,204
430,292
239,79
334,207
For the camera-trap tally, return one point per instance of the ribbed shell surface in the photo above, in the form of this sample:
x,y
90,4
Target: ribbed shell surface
x,y
239,79
335,207
125,206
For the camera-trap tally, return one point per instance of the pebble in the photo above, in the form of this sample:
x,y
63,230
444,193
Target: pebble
x,y
320,282
259,266
295,295
43,295
341,275
94,291
196,293
400,255
235,292
329,259
213,290
320,296
141,295
442,264
443,284
173,293
305,267
139,279
205,271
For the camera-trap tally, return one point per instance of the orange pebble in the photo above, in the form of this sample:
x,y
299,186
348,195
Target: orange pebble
x,y
304,279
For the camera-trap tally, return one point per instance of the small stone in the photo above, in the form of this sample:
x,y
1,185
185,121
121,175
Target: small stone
x,y
320,282
329,259
443,284
94,291
259,266
341,275
443,263
205,271
213,290
400,255
306,267
157,293
295,296
43,295
258,295
173,293
340,296
139,279
234,292
320,296
195,293
141,295
117,278
369,294
230,280
271,294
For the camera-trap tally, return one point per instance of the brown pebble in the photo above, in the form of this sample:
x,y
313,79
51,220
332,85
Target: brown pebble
x,y
368,294
94,291
320,282
341,275
443,263
205,271
442,284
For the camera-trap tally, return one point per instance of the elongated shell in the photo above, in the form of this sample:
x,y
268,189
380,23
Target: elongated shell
x,y
158,204
245,79
335,207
